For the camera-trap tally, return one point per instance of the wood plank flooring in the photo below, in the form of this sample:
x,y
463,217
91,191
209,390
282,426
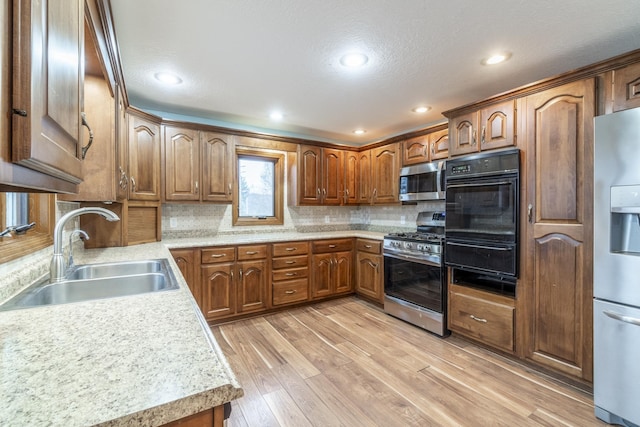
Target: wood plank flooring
x,y
347,363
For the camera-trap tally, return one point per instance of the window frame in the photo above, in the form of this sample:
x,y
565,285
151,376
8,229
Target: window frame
x,y
278,192
42,212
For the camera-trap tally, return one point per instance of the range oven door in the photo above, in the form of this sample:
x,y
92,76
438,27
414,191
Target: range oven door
x,y
482,208
418,282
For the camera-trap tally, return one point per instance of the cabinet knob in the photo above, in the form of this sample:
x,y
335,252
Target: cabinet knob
x,y
251,252
368,246
133,184
290,292
290,249
332,246
197,187
291,274
530,213
83,115
21,113
229,189
290,262
218,255
473,138
484,130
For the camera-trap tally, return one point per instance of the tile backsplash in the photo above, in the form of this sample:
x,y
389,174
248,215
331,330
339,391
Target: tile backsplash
x,y
194,220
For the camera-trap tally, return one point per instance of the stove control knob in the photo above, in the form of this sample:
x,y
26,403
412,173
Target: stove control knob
x,y
408,245
420,247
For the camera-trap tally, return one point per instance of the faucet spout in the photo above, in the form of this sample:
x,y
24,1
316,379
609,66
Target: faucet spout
x,y
57,267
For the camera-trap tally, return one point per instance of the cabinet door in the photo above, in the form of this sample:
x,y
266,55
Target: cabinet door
x,y
386,173
364,177
415,150
350,195
497,126
321,275
626,87
186,260
144,159
217,166
368,275
343,272
310,175
332,176
252,286
439,142
218,296
559,237
47,91
181,164
463,134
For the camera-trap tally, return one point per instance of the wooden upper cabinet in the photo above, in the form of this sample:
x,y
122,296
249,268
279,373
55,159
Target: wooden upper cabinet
x,y
439,144
491,127
217,154
332,176
415,150
181,163
310,175
47,92
385,162
365,191
426,148
626,87
558,296
350,195
144,158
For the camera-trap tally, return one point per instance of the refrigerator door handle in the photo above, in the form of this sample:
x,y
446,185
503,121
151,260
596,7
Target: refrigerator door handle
x,y
622,318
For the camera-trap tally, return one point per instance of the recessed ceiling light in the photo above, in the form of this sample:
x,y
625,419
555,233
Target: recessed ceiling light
x,y
359,131
354,60
421,109
496,59
167,78
276,115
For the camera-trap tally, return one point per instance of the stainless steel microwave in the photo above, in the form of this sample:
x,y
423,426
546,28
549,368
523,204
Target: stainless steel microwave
x,y
424,181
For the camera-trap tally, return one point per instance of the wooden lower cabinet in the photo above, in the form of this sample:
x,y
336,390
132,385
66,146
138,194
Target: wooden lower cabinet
x,y
186,260
213,417
331,267
483,316
369,270
290,272
233,284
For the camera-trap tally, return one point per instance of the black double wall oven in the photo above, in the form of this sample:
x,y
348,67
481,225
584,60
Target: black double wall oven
x,y
481,229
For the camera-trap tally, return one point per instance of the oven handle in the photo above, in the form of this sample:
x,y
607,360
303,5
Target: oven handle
x,y
479,184
495,248
412,259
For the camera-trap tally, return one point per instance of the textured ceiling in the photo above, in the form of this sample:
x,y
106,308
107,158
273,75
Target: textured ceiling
x,y
241,59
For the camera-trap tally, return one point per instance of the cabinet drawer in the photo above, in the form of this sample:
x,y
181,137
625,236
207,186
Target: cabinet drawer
x,y
221,254
371,246
290,248
490,322
290,262
290,273
291,291
336,245
252,252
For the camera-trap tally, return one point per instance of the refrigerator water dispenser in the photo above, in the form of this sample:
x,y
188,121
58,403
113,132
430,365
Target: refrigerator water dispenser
x,y
625,219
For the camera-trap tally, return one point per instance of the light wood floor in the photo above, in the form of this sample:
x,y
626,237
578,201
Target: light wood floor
x,y
346,363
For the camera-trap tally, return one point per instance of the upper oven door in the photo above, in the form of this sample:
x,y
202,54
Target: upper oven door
x,y
482,208
425,181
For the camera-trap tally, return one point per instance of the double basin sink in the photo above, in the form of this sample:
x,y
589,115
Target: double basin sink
x,y
98,281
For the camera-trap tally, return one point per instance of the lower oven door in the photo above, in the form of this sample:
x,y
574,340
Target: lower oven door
x,y
497,258
415,281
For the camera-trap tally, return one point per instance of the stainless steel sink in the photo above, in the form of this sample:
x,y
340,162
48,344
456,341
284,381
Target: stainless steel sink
x,y
98,281
112,269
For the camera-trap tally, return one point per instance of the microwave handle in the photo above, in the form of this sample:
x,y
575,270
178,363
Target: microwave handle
x,y
440,175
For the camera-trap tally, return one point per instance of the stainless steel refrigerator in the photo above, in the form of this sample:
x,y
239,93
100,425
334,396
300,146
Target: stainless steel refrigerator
x,y
616,260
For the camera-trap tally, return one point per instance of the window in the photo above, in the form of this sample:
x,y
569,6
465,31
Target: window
x,y
258,195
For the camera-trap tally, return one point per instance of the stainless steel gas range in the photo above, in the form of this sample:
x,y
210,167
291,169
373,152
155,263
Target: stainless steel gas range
x,y
415,279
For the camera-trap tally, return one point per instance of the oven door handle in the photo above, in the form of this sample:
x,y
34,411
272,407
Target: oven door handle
x,y
412,259
479,184
468,245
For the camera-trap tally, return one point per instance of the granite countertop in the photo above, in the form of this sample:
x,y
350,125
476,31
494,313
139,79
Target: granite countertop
x,y
139,360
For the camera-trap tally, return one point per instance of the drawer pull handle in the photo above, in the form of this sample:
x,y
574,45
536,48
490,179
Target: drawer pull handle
x,y
332,246
478,319
218,255
291,274
251,252
290,292
368,246
290,249
290,262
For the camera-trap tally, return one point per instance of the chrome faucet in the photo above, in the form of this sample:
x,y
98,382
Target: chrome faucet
x,y
57,267
83,236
